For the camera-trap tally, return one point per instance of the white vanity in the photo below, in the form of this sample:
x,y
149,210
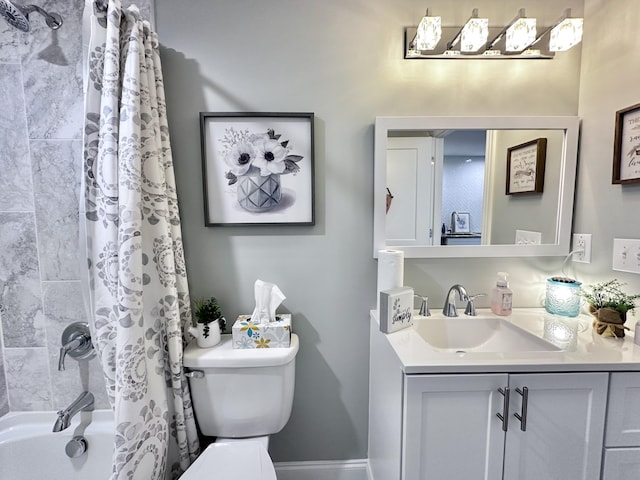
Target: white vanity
x,y
502,401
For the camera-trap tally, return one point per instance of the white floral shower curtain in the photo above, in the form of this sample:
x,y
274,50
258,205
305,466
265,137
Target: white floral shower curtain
x,y
138,286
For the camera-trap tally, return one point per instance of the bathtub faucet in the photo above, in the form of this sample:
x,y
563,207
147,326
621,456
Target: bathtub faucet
x,y
83,402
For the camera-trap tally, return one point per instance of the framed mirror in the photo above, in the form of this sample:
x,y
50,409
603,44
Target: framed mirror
x,y
474,186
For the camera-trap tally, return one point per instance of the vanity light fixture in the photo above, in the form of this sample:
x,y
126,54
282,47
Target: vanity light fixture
x,y
566,34
521,33
473,36
514,41
429,32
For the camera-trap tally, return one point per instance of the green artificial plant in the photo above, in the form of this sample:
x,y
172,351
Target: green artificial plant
x,y
207,311
610,295
609,305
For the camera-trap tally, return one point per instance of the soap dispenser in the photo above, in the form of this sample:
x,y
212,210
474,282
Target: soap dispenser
x,y
501,296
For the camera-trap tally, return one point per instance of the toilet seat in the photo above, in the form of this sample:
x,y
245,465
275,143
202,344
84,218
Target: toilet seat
x,y
243,460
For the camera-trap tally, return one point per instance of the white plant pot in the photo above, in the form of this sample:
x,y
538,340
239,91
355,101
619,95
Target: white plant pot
x,y
206,338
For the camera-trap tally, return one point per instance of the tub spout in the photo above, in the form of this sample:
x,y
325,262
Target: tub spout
x,y
83,402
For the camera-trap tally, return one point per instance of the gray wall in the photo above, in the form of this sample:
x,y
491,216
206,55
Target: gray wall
x,y
343,61
609,83
536,212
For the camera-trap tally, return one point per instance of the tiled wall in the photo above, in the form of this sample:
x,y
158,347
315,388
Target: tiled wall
x,y
41,107
463,189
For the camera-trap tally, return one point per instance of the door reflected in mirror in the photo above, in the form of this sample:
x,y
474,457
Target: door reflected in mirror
x,y
488,183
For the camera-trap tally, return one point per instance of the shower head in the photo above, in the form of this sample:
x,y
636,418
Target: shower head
x,y
18,15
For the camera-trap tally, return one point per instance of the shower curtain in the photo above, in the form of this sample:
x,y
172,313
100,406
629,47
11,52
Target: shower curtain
x,y
138,290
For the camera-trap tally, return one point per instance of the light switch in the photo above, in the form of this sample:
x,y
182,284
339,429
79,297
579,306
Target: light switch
x,y
626,255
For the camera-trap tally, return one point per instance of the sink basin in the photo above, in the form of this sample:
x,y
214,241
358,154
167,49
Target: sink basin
x,y
479,334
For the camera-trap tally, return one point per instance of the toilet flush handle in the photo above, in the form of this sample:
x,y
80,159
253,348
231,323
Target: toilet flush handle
x,y
194,374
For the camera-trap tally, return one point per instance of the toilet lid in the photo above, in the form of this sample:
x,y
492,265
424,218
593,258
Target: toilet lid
x,y
246,460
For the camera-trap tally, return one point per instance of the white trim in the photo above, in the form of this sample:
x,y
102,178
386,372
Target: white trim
x,y
564,214
323,470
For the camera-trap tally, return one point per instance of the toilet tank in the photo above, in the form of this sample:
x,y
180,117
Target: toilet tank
x,y
242,392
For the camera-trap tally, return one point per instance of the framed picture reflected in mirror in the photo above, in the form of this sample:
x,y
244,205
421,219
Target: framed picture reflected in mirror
x,y
460,222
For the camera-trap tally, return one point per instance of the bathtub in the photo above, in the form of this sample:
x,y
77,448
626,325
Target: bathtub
x,y
29,450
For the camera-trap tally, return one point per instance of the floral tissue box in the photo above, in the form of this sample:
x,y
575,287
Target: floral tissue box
x,y
277,334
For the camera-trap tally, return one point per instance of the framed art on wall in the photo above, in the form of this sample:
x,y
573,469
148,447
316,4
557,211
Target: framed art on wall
x,y
626,150
525,167
257,168
460,222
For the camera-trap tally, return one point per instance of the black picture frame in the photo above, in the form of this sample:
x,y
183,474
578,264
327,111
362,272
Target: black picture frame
x,y
525,167
626,149
258,168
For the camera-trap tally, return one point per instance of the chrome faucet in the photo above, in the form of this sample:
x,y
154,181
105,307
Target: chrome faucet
x,y
82,403
449,309
471,308
76,342
424,306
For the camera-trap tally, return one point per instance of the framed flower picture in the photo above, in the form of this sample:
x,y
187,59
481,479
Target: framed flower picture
x,y
257,168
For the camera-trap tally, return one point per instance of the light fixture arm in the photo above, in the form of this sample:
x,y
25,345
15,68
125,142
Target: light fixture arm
x,y
492,43
567,14
456,39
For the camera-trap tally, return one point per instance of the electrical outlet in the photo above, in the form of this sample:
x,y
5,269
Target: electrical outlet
x,y
582,241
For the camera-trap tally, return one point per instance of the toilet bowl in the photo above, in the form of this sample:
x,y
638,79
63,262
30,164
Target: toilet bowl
x,y
240,396
242,460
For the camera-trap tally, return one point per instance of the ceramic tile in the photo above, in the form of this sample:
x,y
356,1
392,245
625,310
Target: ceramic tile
x,y
16,192
64,305
19,259
13,43
22,318
56,179
28,379
53,75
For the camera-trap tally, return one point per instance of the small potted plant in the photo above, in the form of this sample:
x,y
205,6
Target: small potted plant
x,y
609,306
208,322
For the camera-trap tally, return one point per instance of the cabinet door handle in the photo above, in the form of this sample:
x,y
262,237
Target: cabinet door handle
x,y
522,416
504,416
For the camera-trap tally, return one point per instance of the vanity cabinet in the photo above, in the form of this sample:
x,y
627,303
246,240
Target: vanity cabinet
x,y
509,426
622,438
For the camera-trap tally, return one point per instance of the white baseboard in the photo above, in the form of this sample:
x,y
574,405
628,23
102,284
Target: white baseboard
x,y
324,470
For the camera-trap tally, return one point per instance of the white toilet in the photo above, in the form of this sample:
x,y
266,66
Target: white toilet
x,y
240,396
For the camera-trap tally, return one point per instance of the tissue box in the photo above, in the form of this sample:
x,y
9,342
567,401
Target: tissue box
x,y
245,334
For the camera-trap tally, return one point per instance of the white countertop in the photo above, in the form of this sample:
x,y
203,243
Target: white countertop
x,y
591,352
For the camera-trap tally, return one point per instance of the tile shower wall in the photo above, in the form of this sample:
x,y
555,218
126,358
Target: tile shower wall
x,y
41,107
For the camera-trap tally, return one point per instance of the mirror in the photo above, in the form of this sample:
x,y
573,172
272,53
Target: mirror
x,y
474,186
